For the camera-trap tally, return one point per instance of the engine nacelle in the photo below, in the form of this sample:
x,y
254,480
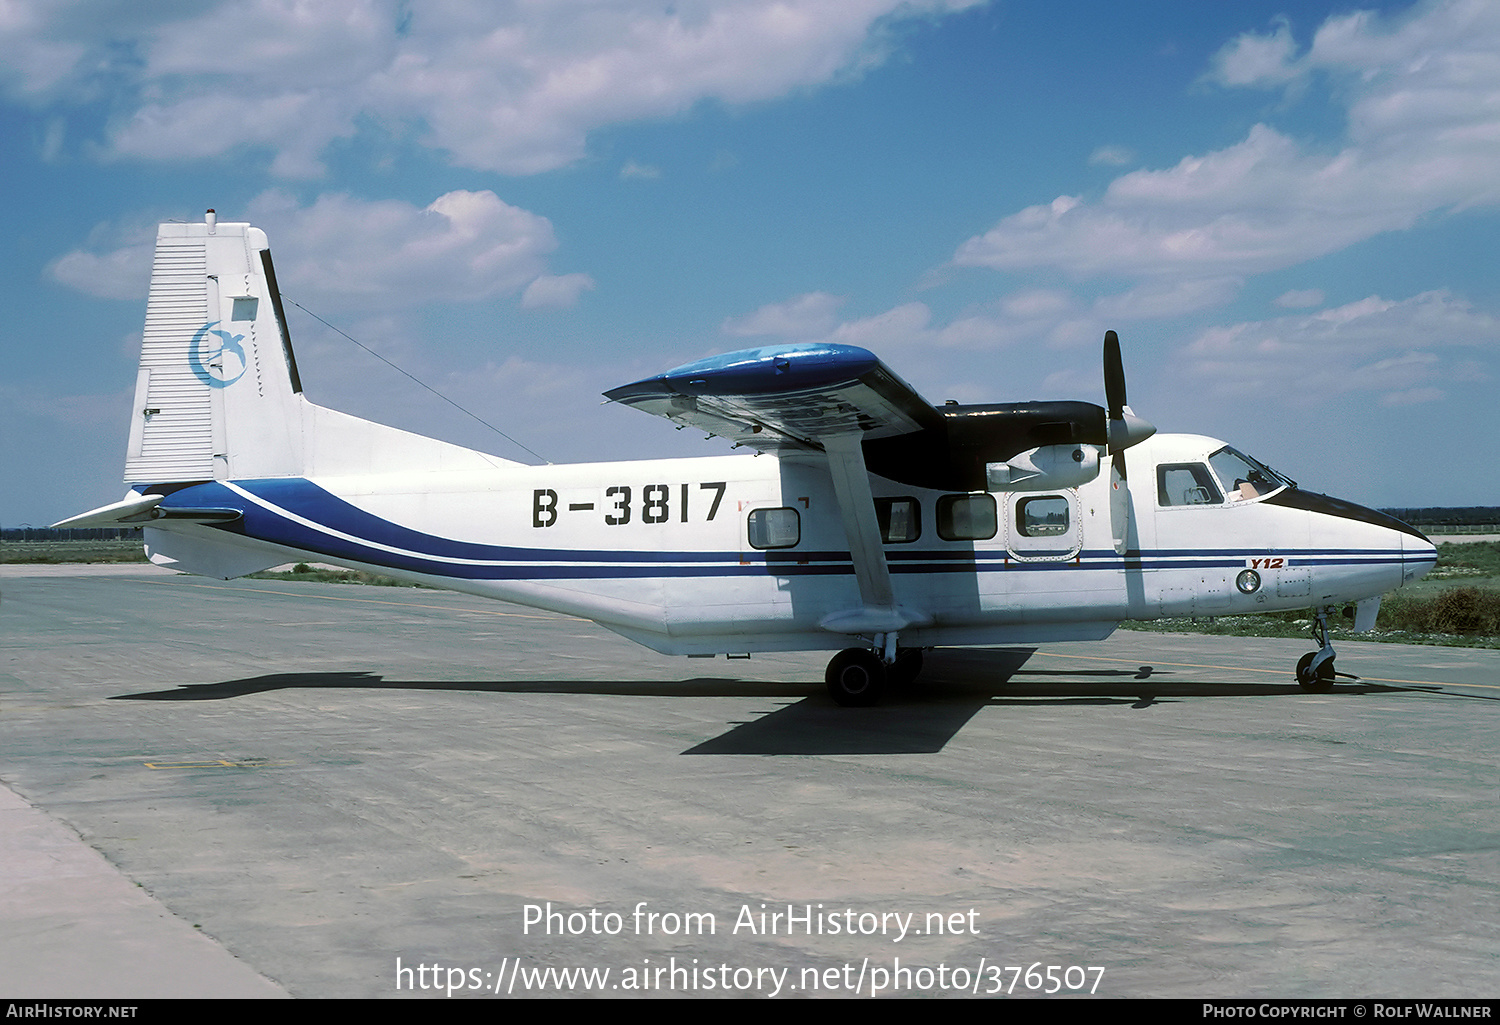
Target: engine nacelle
x,y
1047,468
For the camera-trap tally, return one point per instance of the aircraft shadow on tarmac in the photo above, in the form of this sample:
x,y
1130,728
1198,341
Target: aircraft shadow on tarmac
x,y
921,719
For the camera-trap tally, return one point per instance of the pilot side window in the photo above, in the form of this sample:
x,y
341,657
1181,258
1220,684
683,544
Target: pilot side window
x,y
775,528
900,519
1046,516
1179,484
967,517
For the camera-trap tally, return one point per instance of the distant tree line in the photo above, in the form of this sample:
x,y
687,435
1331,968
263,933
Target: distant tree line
x,y
70,534
1458,516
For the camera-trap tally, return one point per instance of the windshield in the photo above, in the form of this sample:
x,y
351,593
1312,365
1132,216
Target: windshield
x,y
1245,478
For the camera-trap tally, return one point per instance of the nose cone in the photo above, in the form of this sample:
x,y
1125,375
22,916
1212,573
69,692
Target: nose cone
x,y
1366,552
1418,556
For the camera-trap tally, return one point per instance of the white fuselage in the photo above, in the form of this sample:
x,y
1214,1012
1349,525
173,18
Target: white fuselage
x,y
663,551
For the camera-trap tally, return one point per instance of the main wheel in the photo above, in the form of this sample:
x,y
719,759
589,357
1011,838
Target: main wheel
x,y
855,677
1319,683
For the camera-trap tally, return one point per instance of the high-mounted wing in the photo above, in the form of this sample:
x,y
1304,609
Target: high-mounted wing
x,y
785,396
842,400
809,397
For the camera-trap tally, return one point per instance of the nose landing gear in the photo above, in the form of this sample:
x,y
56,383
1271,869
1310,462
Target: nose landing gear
x,y
1315,671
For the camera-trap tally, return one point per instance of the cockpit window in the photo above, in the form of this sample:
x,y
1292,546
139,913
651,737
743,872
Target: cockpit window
x,y
1179,484
1243,477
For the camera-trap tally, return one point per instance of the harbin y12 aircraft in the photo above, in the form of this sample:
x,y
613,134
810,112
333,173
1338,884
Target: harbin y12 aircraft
x,y
866,519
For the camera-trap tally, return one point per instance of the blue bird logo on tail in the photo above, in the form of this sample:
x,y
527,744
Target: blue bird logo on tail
x,y
215,367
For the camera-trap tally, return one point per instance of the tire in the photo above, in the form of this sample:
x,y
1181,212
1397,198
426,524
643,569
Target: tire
x,y
855,678
1322,683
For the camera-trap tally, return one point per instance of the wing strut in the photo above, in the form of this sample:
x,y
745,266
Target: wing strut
x,y
878,612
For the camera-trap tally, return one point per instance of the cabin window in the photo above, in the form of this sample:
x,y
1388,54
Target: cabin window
x,y
775,528
900,519
1179,484
967,517
1045,516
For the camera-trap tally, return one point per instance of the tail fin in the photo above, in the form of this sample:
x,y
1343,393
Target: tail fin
x,y
218,395
217,391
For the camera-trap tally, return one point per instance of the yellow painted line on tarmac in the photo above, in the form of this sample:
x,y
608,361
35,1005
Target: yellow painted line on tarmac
x,y
1252,669
367,601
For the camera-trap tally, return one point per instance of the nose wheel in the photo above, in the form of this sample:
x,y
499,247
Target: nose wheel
x,y
1317,679
1315,670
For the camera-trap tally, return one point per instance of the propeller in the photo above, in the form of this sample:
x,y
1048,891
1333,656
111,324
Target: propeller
x,y
1124,429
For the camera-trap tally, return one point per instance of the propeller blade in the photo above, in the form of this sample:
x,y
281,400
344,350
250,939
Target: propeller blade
x,y
1124,429
1114,376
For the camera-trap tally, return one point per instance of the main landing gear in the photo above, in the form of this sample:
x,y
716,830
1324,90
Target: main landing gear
x,y
857,677
1315,669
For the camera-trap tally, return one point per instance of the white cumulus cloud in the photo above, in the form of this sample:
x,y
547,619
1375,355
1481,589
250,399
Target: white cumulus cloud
x,y
386,254
555,291
1402,350
510,87
1422,137
1299,299
803,317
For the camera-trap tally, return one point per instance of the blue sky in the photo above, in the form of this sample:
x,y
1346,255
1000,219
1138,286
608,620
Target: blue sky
x,y
1287,210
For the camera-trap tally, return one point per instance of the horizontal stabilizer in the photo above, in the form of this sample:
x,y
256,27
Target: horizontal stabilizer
x,y
127,512
141,509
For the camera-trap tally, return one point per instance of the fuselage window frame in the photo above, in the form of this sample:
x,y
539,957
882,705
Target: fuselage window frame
x,y
971,528
767,529
1204,490
895,513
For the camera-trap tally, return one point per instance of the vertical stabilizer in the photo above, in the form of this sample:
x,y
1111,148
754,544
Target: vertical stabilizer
x,y
218,396
217,391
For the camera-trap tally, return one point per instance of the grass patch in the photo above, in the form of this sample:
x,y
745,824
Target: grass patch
x,y
1476,564
1469,611
1277,624
56,552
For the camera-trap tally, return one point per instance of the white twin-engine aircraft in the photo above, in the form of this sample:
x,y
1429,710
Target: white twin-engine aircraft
x,y
867,520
